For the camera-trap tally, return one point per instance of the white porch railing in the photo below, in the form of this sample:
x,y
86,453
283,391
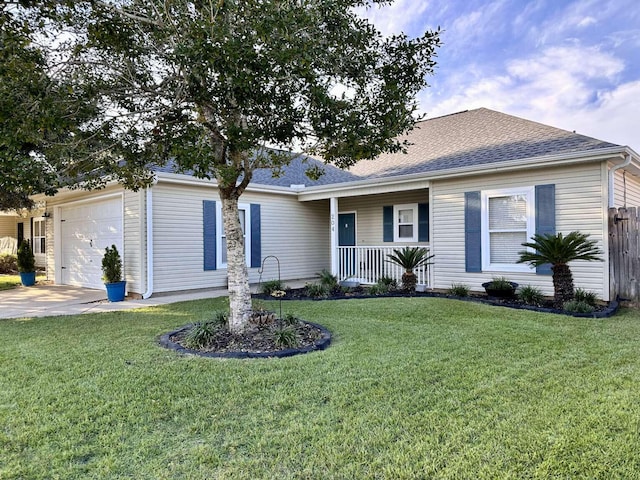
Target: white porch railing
x,y
368,264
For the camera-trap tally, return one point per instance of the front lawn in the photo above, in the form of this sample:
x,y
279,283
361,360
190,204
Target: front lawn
x,y
411,388
9,281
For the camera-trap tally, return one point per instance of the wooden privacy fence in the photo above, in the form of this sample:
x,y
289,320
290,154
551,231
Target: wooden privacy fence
x,y
624,254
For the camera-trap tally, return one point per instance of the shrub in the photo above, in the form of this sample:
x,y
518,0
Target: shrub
x,y
290,319
581,295
111,265
531,295
316,290
285,337
219,318
201,334
327,279
25,261
459,290
383,286
578,306
8,263
270,286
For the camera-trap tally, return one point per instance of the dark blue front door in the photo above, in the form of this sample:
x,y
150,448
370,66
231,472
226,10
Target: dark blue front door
x,y
346,229
347,238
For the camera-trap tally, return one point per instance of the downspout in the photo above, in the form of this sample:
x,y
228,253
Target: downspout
x,y
149,291
612,175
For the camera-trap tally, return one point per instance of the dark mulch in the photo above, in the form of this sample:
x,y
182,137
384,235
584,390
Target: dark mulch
x,y
601,310
255,342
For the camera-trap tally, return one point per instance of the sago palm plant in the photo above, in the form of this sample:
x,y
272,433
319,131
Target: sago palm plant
x,y
410,258
559,250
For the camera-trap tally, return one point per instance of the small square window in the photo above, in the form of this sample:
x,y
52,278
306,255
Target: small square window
x,y
405,219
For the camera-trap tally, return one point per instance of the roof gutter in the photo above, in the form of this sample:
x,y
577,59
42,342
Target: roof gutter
x,y
612,175
318,192
149,215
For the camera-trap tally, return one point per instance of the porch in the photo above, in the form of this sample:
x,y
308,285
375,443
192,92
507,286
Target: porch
x,y
368,264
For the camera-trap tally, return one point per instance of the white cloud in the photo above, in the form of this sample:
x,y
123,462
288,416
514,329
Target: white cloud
x,y
574,87
397,17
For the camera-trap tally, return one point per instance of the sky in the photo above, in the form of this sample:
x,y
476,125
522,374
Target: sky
x,y
570,64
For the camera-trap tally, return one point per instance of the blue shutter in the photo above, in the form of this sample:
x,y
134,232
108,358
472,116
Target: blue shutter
x,y
387,224
256,241
423,222
545,217
472,232
209,234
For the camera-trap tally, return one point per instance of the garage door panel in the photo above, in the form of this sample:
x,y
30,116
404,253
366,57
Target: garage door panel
x,y
86,230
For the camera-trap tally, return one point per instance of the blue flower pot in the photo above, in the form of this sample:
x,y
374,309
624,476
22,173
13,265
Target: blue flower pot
x,y
115,291
28,279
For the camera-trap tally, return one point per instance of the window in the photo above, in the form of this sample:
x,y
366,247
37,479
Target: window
x,y
245,219
39,237
507,222
405,223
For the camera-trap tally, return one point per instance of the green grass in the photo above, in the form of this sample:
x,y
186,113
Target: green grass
x,y
412,388
8,282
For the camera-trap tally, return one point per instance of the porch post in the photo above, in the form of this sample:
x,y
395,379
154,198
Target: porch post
x,y
333,206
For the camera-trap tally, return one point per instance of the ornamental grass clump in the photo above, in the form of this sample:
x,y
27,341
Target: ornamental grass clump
x,y
582,295
531,295
270,286
578,306
285,336
459,290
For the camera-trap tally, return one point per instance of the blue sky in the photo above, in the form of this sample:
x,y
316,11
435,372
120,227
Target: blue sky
x,y
570,64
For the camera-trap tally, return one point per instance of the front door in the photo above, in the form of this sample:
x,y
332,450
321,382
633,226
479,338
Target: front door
x,y
347,229
347,238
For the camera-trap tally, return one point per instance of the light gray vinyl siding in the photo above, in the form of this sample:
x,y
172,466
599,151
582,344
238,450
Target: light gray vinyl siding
x,y
8,233
627,189
579,206
134,240
296,232
368,210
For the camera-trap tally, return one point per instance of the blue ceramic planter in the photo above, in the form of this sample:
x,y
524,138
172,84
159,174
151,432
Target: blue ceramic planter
x,y
28,279
115,291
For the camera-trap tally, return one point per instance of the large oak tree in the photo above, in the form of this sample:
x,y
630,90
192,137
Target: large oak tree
x,y
218,86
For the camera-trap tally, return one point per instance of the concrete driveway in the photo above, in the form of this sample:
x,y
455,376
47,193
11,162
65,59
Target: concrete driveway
x,y
51,300
44,300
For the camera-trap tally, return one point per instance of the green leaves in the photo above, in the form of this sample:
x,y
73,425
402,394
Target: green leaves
x,y
410,258
560,249
208,85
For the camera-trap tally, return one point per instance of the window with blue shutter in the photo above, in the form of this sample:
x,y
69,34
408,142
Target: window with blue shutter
x,y
387,223
498,222
256,240
423,222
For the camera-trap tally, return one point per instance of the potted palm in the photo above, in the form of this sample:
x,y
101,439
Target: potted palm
x,y
112,274
26,264
559,250
410,258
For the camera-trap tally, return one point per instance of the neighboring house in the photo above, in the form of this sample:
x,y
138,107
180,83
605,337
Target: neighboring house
x,y
30,226
472,187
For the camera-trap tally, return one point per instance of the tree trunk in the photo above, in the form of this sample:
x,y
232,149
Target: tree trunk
x,y
409,281
239,293
562,284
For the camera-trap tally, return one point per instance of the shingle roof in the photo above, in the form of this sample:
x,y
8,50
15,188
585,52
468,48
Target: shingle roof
x,y
475,137
464,139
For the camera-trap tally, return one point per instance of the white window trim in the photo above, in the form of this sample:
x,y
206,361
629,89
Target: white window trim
x,y
247,234
38,237
396,222
531,227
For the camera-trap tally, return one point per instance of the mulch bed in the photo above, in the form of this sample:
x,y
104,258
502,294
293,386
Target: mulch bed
x,y
255,342
602,310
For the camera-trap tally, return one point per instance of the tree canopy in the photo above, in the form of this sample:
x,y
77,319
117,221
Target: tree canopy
x,y
214,86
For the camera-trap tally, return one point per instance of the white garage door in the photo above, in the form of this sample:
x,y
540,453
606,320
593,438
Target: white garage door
x,y
85,231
